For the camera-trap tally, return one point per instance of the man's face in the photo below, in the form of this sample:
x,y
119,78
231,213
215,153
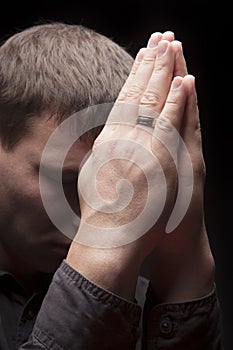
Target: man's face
x,y
27,234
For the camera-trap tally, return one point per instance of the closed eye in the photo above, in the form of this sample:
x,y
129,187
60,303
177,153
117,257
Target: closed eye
x,y
69,176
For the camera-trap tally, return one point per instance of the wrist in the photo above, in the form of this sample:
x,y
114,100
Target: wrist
x,y
189,284
184,275
112,269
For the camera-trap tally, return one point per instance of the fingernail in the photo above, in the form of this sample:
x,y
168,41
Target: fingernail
x,y
140,54
177,81
177,45
191,80
169,33
162,47
154,40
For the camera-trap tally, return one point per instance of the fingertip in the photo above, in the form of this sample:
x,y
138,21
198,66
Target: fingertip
x,y
140,54
189,77
155,34
177,82
154,39
177,46
169,35
189,81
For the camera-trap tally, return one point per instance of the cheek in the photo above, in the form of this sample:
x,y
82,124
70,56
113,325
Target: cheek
x,y
22,205
29,212
59,201
36,189
25,195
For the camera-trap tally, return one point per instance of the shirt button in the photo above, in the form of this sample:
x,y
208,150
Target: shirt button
x,y
166,326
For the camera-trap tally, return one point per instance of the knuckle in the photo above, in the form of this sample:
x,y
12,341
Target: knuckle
x,y
132,92
161,67
173,106
134,68
150,98
122,96
200,171
173,101
198,127
148,60
197,136
164,124
199,166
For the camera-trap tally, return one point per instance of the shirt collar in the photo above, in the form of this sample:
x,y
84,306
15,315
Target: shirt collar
x,y
5,273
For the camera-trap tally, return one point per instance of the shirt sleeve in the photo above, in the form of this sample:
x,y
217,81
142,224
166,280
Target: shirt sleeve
x,y
76,314
193,325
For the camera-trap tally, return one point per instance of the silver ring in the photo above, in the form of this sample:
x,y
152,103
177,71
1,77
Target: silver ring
x,y
147,121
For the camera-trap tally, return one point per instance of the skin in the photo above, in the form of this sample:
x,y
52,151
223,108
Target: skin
x,y
31,247
182,263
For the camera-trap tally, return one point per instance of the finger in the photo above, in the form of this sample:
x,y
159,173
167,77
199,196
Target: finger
x,y
155,94
157,36
137,82
138,59
189,161
190,128
180,67
168,35
173,109
168,124
127,87
154,39
134,84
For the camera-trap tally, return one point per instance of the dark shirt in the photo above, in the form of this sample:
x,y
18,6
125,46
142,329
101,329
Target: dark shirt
x,y
76,314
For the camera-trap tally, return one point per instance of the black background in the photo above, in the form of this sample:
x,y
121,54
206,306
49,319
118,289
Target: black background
x,y
204,29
